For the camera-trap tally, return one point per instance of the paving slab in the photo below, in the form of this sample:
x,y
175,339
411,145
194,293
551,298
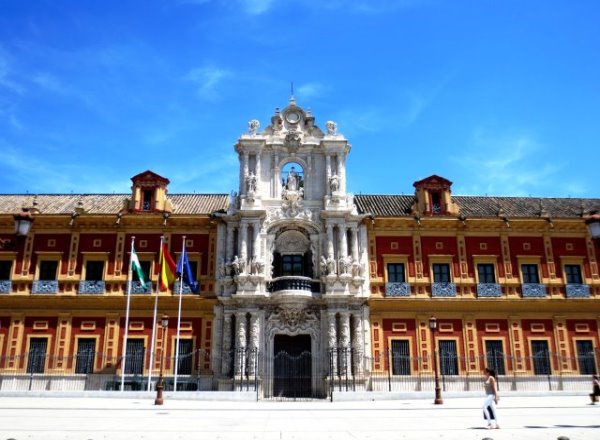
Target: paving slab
x,y
99,418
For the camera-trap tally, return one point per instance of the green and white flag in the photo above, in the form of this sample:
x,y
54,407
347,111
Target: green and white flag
x,y
135,265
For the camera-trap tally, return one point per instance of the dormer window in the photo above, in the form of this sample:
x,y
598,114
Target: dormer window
x,y
147,202
436,203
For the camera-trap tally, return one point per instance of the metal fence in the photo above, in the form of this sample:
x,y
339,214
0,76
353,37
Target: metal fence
x,y
286,376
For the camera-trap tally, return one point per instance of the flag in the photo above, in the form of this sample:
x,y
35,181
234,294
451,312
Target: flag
x,y
185,272
137,267
167,269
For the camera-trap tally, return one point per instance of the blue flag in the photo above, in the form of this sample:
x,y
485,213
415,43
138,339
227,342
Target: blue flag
x,y
184,271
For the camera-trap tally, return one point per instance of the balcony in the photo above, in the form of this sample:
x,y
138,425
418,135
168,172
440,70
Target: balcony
x,y
397,289
578,291
443,290
489,290
137,288
5,286
91,287
533,290
44,286
185,290
302,285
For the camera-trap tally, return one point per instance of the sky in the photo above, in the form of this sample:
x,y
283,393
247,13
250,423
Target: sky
x,y
501,97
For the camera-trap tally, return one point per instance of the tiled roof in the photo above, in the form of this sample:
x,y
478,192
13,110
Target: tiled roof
x,y
479,206
107,203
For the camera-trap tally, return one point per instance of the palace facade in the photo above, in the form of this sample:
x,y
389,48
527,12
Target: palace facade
x,y
304,288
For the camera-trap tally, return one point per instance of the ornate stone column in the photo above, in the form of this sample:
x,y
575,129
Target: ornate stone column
x,y
229,243
341,173
344,341
357,343
226,351
330,241
254,342
328,173
332,341
240,343
244,246
257,171
255,239
244,185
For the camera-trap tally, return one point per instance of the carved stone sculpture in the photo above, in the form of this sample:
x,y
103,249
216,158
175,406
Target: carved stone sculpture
x,y
253,126
331,128
334,183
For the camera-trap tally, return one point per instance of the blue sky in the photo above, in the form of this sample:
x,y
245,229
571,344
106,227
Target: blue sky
x,y
501,97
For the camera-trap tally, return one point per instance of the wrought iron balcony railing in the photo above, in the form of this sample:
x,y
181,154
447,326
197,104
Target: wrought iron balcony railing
x,y
44,286
5,286
489,290
304,284
137,288
185,290
444,290
92,287
533,290
397,289
578,291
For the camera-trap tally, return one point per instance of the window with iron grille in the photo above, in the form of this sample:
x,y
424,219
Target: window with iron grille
x,y
541,357
585,357
134,362
36,358
86,353
400,357
441,273
94,271
486,273
291,265
184,363
395,272
530,274
573,273
448,357
48,269
5,269
494,354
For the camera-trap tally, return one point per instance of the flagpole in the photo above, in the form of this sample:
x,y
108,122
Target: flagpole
x,y
179,316
154,316
126,333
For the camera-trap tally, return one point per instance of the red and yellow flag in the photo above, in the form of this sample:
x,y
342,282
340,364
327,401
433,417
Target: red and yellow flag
x,y
167,269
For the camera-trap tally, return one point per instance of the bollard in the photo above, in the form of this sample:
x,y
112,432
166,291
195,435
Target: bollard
x,y
562,437
487,438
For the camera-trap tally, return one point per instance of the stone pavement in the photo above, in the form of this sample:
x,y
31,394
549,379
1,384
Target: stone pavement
x,y
98,418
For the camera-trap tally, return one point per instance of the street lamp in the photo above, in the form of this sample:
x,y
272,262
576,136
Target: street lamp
x,y
438,391
164,322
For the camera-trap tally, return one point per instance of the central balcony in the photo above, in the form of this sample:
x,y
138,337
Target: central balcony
x,y
294,285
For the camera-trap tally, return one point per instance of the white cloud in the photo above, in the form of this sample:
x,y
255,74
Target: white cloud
x,y
207,79
514,164
309,90
256,7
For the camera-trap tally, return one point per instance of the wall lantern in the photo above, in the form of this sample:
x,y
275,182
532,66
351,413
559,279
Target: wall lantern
x,y
23,222
593,225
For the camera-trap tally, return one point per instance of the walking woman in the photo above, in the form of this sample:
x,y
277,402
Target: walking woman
x,y
491,399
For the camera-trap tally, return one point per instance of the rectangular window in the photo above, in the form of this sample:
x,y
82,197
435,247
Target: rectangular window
x,y
147,202
573,273
145,268
48,269
94,271
486,273
5,269
541,357
585,357
400,357
530,274
395,272
36,358
441,273
291,265
448,357
134,362
436,203
86,353
186,354
494,354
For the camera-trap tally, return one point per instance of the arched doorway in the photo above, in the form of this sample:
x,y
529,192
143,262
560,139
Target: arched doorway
x,y
292,366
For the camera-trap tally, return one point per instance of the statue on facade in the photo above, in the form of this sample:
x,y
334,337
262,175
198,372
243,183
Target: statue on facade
x,y
331,266
331,128
251,182
222,269
253,126
242,265
334,183
323,265
235,265
292,180
356,269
